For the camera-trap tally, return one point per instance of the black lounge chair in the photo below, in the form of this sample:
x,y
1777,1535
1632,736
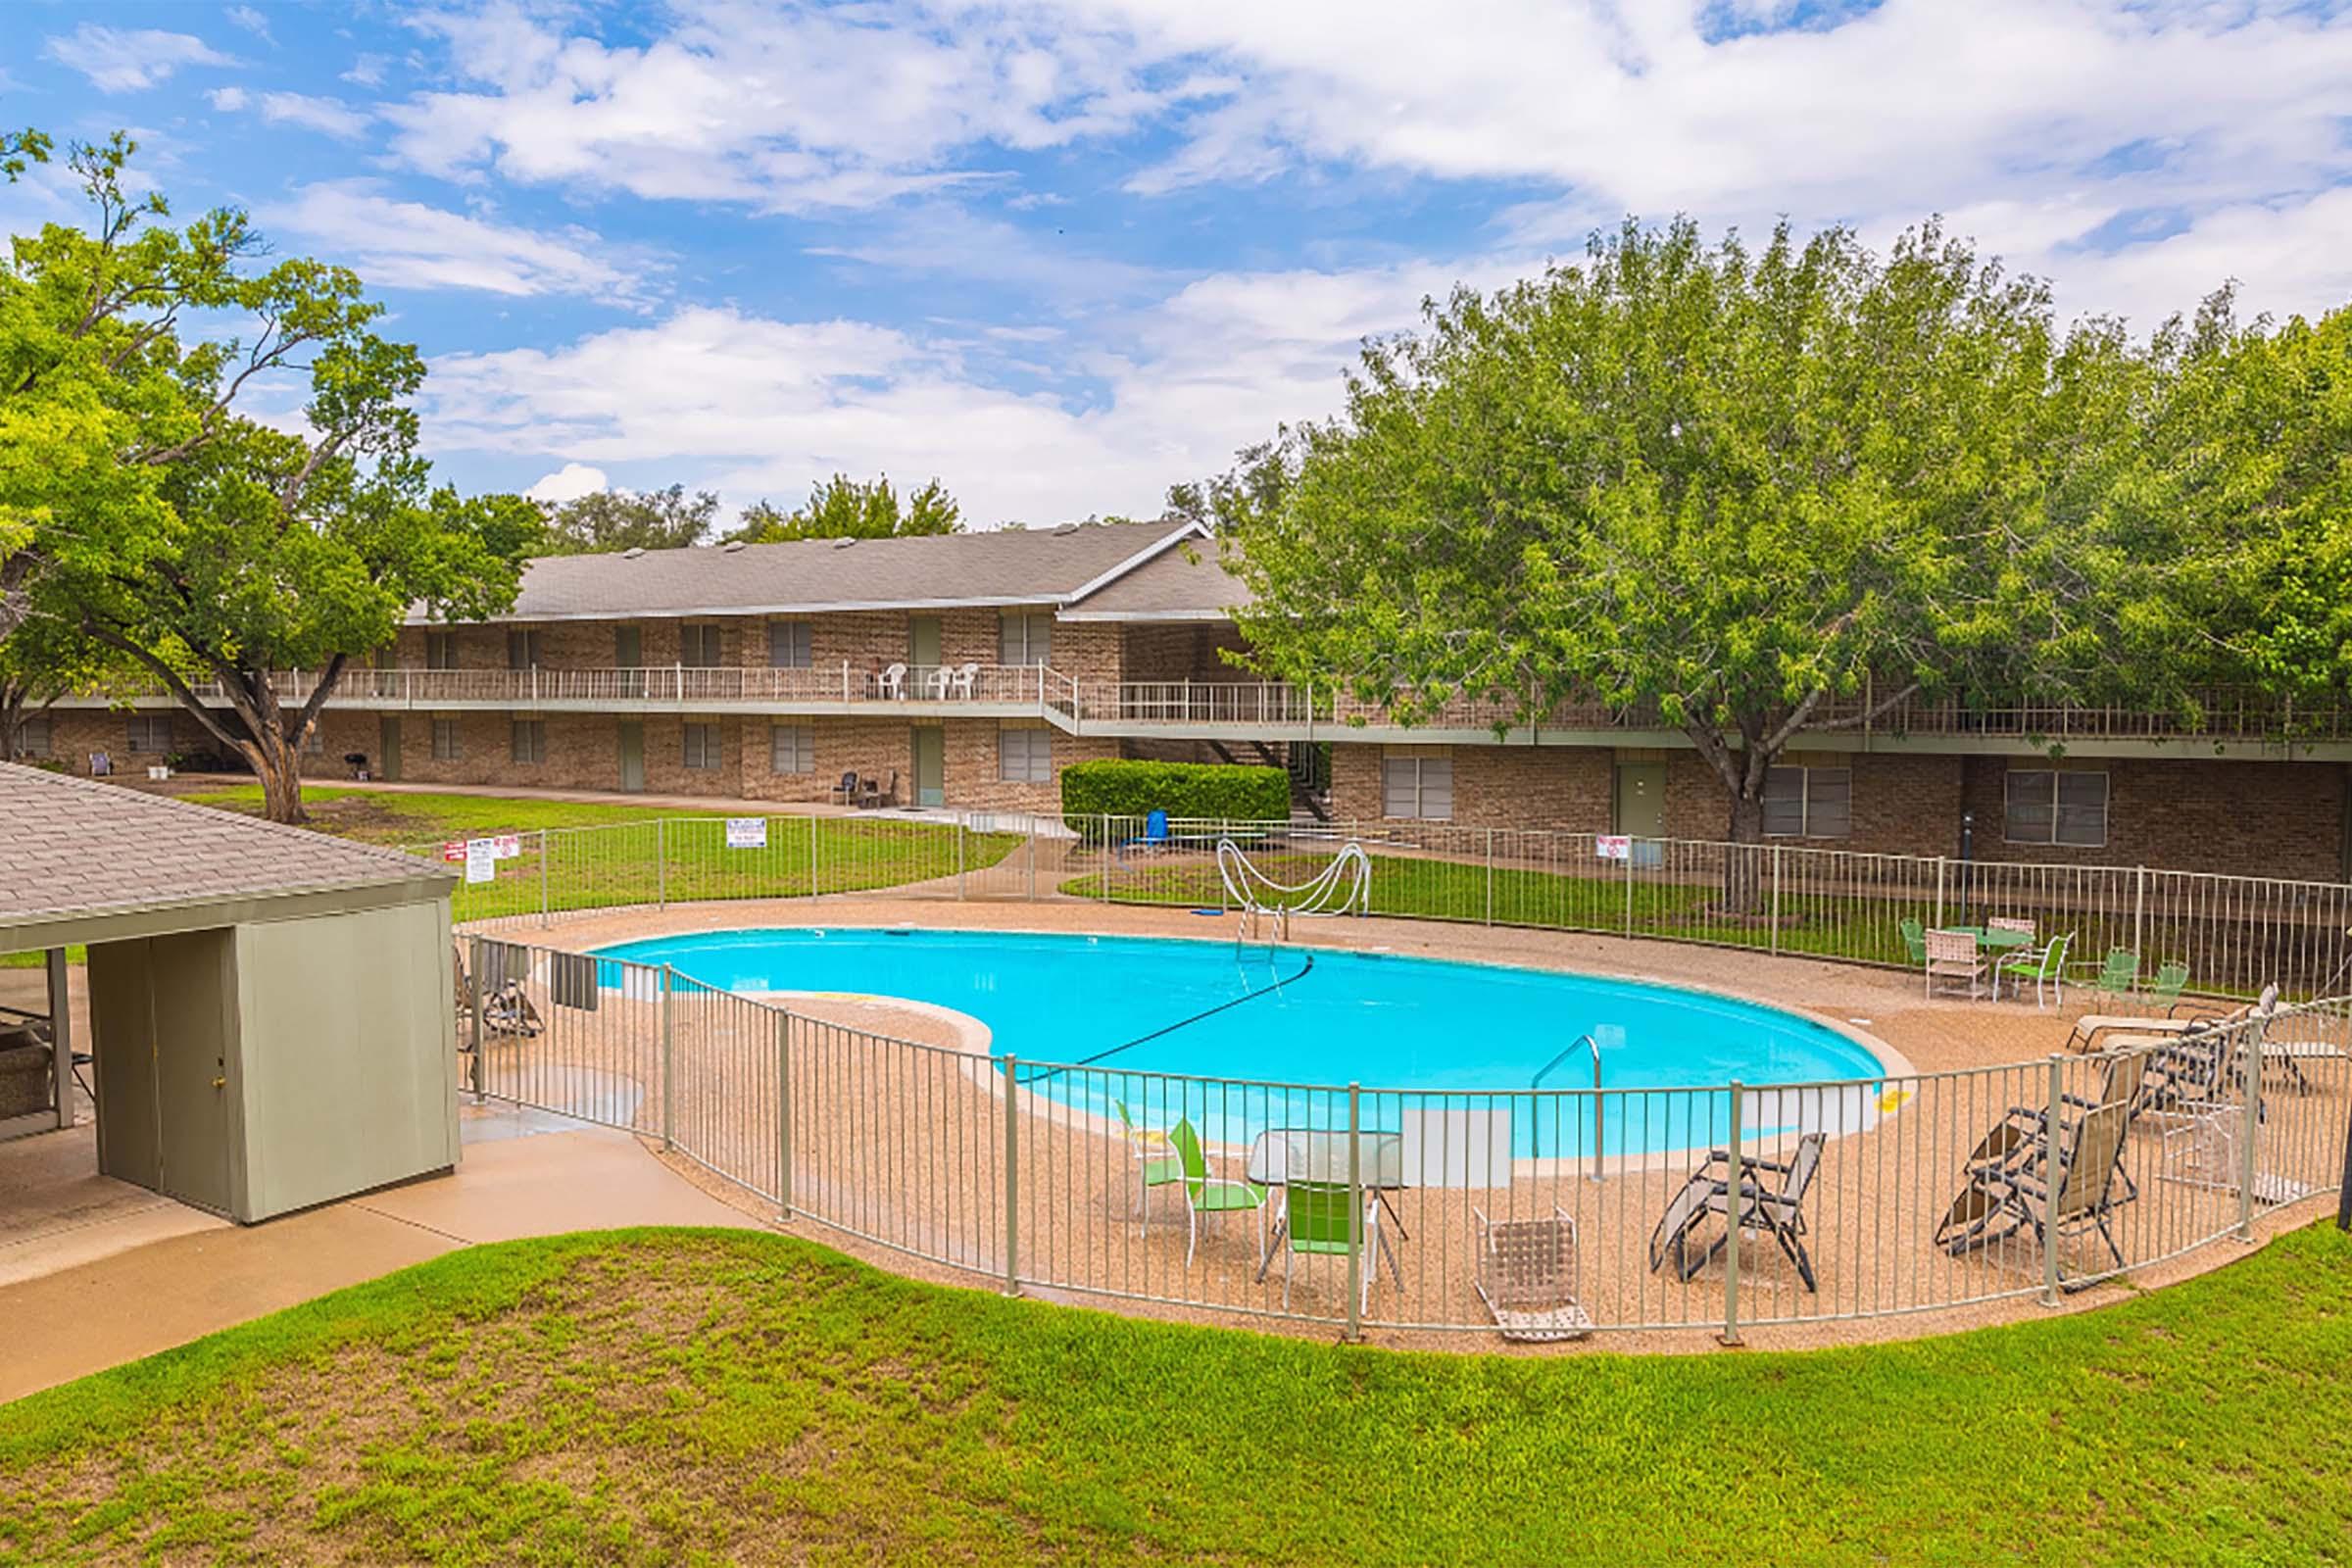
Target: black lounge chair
x,y
1779,1210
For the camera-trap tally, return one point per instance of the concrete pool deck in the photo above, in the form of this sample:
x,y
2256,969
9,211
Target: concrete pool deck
x,y
902,1146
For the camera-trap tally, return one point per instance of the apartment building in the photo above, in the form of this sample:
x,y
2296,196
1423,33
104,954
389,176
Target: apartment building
x,y
966,671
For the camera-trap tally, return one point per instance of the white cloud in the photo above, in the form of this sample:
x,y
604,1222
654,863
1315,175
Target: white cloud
x,y
228,100
755,405
406,244
367,71
331,116
251,21
128,59
568,483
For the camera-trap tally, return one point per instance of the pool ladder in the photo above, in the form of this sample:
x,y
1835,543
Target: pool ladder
x,y
1593,1046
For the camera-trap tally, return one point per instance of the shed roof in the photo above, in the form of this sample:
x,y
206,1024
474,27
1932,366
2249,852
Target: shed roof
x,y
1007,567
1188,582
74,848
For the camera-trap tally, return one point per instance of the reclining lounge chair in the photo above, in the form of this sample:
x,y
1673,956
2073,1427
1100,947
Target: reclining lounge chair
x,y
1779,1210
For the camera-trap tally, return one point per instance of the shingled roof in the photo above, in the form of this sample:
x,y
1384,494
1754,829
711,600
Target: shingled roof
x,y
1184,583
1008,567
72,847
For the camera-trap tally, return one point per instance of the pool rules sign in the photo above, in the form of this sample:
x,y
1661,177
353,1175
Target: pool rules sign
x,y
747,832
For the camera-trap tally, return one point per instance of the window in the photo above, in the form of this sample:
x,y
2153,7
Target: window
x,y
1025,756
1418,787
440,650
2055,806
1810,803
792,749
698,645
703,748
1023,639
150,732
528,740
787,645
523,650
32,738
445,739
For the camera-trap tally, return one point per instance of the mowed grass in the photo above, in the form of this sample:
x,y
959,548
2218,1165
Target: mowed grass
x,y
600,854
693,1397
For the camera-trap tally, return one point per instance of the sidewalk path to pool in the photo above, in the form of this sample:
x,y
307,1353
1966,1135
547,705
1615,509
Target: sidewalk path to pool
x,y
165,1285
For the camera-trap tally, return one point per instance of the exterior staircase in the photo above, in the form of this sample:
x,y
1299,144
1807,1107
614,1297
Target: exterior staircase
x,y
1308,762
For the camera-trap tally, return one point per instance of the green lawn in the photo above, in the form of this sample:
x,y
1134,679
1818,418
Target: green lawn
x,y
611,853
683,1397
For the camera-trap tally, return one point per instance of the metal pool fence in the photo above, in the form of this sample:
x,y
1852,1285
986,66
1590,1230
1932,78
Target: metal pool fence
x,y
1359,1205
2233,934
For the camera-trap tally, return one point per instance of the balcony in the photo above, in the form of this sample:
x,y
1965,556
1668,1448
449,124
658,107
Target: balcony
x,y
1273,711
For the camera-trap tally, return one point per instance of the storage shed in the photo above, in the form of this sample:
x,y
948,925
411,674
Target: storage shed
x,y
270,1009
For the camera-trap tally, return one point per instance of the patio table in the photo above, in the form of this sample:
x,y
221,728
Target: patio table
x,y
1996,941
1317,1156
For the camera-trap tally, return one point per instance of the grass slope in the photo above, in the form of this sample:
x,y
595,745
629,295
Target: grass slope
x,y
681,1396
617,866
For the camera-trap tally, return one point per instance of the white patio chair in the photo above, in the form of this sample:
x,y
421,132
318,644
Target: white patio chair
x,y
966,678
892,682
1953,956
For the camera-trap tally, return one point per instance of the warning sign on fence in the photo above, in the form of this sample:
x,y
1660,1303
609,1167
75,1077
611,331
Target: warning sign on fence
x,y
481,860
1614,847
747,832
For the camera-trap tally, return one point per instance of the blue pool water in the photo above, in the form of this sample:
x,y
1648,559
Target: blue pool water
x,y
1127,1011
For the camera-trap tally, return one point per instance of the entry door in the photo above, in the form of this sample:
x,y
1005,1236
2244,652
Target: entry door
x,y
930,767
1642,800
387,734
628,654
632,756
922,643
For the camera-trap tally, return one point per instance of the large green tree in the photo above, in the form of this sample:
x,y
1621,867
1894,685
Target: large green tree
x,y
843,508
166,523
611,520
1754,492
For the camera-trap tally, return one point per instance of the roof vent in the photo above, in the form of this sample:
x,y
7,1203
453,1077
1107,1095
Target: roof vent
x,y
632,553
732,546
1066,527
845,541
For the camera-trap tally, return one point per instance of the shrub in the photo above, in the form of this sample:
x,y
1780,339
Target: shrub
x,y
1195,790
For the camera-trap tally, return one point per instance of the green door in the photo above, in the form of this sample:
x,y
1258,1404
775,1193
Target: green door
x,y
923,652
931,766
628,656
387,735
1641,808
632,756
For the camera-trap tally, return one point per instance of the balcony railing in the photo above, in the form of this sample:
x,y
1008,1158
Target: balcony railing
x,y
1302,711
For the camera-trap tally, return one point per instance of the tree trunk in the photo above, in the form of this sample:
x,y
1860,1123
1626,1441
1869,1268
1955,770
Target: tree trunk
x,y
278,766
1745,856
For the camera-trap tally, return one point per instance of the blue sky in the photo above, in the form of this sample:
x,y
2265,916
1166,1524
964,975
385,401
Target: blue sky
x,y
1061,252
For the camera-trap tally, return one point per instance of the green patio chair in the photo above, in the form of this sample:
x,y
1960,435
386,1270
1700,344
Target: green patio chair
x,y
2172,978
1915,938
1206,1194
2118,976
2046,966
1156,1161
1317,1220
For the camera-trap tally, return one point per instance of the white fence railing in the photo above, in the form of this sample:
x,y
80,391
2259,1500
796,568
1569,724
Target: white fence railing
x,y
1360,1206
2197,932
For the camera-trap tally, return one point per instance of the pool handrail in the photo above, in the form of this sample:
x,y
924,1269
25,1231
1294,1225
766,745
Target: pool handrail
x,y
1537,1081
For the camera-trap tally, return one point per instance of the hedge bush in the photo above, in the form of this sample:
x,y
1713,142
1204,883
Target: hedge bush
x,y
1198,790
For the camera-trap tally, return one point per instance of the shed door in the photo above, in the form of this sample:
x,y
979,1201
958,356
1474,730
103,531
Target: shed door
x,y
191,996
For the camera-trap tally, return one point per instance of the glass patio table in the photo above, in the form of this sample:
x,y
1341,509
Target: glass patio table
x,y
1997,940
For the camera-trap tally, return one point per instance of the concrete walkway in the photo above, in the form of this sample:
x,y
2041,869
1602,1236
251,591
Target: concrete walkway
x,y
145,1274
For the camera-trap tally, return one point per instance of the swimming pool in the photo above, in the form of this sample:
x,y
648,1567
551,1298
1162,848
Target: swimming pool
x,y
1127,1011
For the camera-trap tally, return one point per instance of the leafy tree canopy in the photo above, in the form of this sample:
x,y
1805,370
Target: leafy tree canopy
x,y
165,525
843,508
1755,491
622,519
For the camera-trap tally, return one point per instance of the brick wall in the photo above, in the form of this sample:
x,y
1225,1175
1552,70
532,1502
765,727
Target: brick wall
x,y
2282,819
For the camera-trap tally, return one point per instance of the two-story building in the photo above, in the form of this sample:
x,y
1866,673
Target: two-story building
x,y
966,671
